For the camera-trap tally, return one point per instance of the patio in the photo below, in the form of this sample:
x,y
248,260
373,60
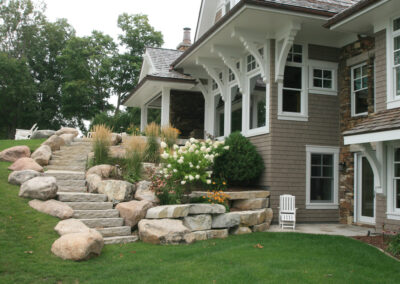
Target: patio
x,y
326,229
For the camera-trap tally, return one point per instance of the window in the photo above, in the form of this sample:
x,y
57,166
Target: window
x,y
257,113
214,85
292,89
393,64
219,119
322,78
396,56
236,109
231,76
322,177
396,178
251,63
359,89
295,54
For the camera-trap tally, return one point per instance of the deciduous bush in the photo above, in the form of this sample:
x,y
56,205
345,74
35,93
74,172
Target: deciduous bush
x,y
242,165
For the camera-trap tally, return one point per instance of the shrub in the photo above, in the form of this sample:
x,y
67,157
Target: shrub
x,y
169,135
135,147
168,191
152,152
218,197
101,143
394,245
242,165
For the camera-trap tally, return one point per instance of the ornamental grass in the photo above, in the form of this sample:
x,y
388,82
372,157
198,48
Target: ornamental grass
x,y
135,150
152,152
169,135
101,143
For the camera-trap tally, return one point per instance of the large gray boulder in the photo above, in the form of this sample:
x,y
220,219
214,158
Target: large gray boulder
x,y
78,246
93,182
39,134
19,177
133,211
241,230
168,211
42,155
52,207
71,226
68,138
200,208
250,204
197,222
14,153
54,142
117,190
23,164
144,192
226,220
103,171
251,218
42,188
165,231
67,130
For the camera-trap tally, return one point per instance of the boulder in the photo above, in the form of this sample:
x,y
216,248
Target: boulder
x,y
39,134
42,188
78,246
217,234
14,153
261,227
200,235
226,220
168,211
200,208
103,171
133,211
197,222
240,230
19,177
52,207
116,139
25,164
250,204
117,190
68,138
165,231
144,192
235,195
117,151
42,155
71,226
67,130
55,142
93,183
251,218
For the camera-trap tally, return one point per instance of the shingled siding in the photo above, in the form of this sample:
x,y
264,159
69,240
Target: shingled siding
x,y
382,223
284,150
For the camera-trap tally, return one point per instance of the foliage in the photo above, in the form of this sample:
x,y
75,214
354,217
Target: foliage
x,y
120,121
218,197
167,190
135,147
152,153
242,165
394,244
133,130
169,135
101,143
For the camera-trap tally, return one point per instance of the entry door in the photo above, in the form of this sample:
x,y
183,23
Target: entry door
x,y
366,192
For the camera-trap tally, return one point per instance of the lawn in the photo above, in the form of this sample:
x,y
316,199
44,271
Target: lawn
x,y
255,258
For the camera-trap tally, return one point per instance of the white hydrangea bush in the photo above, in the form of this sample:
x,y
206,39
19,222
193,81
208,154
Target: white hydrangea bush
x,y
191,163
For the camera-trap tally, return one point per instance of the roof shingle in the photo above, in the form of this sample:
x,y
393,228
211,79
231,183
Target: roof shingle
x,y
334,6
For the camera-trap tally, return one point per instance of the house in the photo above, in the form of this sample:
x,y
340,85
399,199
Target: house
x,y
314,84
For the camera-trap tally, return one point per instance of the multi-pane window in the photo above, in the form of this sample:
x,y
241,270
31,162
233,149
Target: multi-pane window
x,y
214,85
396,55
322,78
251,63
322,178
231,76
397,178
292,89
295,54
257,105
359,75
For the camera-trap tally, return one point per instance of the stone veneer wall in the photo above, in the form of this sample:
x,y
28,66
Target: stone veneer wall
x,y
351,55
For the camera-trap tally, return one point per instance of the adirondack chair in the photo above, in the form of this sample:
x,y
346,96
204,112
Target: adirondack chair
x,y
23,134
287,211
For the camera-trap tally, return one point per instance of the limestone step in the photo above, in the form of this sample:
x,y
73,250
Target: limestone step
x,y
66,168
120,240
115,231
89,214
81,197
72,188
69,182
66,175
67,162
90,205
103,222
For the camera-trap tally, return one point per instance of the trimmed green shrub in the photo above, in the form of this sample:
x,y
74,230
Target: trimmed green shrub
x,y
394,245
242,165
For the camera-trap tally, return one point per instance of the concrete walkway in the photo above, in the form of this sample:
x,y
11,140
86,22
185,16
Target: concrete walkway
x,y
326,229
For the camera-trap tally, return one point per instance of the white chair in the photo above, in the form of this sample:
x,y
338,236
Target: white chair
x,y
287,211
23,134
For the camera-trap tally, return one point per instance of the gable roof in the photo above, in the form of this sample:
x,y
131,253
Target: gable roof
x,y
333,6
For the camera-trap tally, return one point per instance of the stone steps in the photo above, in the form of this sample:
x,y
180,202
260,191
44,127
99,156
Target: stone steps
x,y
103,222
68,168
66,163
115,231
66,175
81,189
70,183
120,240
80,197
90,205
92,214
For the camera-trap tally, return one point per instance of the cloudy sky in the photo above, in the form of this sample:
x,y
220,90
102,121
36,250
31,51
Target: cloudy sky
x,y
167,16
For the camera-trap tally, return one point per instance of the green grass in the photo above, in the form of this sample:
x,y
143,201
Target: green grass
x,y
284,258
32,144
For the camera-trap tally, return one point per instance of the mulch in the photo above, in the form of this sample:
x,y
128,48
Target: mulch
x,y
376,241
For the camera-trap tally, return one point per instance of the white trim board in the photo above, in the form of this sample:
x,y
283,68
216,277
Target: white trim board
x,y
389,135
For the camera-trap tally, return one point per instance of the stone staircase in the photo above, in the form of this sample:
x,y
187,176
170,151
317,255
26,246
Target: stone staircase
x,y
68,167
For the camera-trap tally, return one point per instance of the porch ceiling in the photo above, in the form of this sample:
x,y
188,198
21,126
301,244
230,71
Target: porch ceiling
x,y
266,22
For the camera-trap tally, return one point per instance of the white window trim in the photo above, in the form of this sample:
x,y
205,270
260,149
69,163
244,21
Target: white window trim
x,y
393,101
353,98
326,66
303,115
322,150
259,130
392,211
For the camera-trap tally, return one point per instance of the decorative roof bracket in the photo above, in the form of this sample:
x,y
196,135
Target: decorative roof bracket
x,y
213,69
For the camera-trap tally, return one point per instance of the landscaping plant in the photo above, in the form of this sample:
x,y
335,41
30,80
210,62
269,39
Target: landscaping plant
x,y
394,244
217,197
169,135
152,152
101,143
135,147
242,165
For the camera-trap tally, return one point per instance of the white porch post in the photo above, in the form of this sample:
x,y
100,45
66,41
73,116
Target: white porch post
x,y
143,117
165,105
228,111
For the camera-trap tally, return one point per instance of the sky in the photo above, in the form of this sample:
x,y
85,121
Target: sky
x,y
167,16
